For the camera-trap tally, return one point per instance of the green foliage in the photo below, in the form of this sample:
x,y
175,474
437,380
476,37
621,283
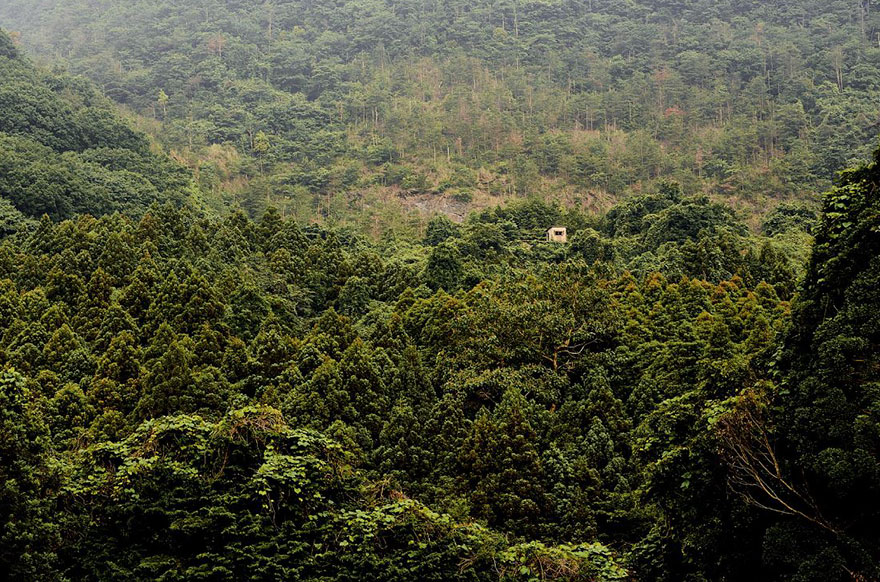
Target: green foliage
x,y
27,472
195,373
63,151
332,106
190,395
825,411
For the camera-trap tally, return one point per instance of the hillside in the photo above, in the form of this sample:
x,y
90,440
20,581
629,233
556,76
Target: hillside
x,y
278,300
340,109
64,151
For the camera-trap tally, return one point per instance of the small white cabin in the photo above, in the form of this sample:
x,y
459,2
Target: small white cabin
x,y
557,234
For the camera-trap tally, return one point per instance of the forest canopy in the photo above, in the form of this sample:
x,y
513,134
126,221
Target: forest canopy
x,y
277,300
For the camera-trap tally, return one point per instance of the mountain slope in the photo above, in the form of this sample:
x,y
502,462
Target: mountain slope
x,y
474,102
64,151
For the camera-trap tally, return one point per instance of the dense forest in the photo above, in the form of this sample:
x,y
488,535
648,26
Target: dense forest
x,y
64,151
350,109
276,300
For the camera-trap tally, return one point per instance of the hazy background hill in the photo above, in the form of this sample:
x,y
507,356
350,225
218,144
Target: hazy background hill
x,y
348,109
64,150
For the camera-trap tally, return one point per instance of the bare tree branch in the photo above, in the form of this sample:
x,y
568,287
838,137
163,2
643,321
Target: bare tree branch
x,y
755,473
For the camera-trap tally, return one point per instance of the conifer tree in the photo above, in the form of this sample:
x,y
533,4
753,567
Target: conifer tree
x,y
502,469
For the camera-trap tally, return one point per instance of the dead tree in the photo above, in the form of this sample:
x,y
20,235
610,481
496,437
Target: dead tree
x,y
755,473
